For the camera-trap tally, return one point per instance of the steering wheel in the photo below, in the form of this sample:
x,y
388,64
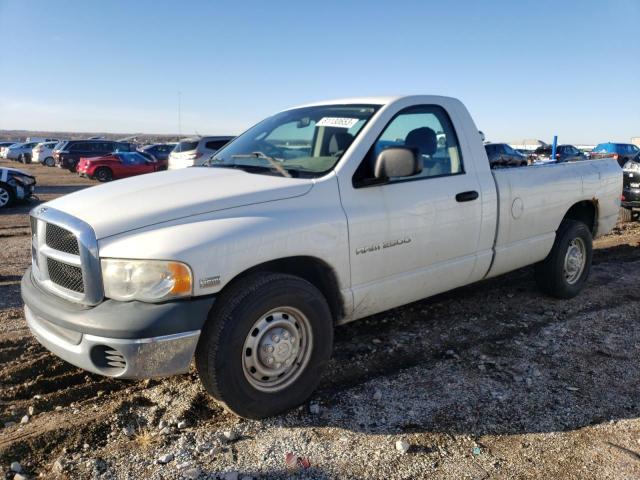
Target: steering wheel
x,y
268,149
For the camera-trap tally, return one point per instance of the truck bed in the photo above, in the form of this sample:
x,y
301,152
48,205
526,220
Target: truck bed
x,y
533,200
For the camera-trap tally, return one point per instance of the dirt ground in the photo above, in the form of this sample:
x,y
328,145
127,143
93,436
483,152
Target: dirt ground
x,y
493,380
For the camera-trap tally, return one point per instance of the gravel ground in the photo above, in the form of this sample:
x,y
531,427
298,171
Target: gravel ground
x,y
493,380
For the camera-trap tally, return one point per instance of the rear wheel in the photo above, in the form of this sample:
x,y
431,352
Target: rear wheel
x,y
103,174
49,162
7,197
626,215
566,269
265,344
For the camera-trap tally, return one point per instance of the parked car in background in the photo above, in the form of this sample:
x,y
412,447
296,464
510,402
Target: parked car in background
x,y
43,153
160,151
4,146
68,154
630,199
195,151
622,152
15,185
564,153
502,155
19,151
116,165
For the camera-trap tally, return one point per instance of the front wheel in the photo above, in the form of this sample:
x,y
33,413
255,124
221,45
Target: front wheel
x,y
265,344
7,196
566,269
49,162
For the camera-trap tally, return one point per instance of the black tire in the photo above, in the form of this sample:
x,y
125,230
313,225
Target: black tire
x,y
220,352
626,215
550,274
49,162
103,174
7,195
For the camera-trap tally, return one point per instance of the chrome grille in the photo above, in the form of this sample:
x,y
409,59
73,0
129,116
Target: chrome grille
x,y
65,257
60,239
65,275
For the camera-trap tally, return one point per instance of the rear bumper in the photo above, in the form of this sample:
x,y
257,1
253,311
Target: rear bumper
x,y
117,339
630,198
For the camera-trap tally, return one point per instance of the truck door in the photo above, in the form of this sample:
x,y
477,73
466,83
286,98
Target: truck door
x,y
416,236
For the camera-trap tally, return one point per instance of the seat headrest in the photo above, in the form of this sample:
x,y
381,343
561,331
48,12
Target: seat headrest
x,y
424,139
339,142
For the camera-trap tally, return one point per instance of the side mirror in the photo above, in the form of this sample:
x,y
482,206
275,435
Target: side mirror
x,y
397,162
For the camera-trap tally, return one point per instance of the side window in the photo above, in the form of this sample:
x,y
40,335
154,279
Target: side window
x,y
215,144
429,132
81,148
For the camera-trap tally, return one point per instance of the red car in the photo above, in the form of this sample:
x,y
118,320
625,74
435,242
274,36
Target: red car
x,y
116,165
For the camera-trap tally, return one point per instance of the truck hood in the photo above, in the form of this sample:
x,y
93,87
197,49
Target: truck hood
x,y
138,202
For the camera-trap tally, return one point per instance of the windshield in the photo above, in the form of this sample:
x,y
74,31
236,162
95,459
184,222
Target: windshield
x,y
186,146
301,142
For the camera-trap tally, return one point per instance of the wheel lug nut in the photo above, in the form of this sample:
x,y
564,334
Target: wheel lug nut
x,y
270,360
275,338
270,348
285,335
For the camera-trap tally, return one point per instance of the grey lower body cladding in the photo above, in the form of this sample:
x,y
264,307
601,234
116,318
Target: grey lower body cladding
x,y
119,339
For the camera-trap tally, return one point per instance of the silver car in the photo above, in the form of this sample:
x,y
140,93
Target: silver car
x,y
195,151
20,151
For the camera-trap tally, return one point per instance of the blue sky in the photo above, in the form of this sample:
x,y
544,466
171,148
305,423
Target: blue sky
x,y
524,69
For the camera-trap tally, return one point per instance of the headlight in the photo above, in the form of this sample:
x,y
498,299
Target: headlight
x,y
145,280
631,166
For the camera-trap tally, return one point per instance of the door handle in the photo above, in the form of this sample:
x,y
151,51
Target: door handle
x,y
467,196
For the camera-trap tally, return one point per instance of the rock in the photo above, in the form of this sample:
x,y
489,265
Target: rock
x,y
16,467
85,446
402,446
164,459
31,411
182,424
58,408
162,425
58,466
229,436
25,419
37,397
231,476
314,409
215,451
128,431
476,451
19,476
192,473
165,431
377,341
377,395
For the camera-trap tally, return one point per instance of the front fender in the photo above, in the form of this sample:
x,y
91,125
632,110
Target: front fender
x,y
221,245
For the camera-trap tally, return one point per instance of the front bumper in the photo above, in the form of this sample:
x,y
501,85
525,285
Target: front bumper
x,y
117,339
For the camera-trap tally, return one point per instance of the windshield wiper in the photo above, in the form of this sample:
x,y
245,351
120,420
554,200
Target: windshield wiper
x,y
272,161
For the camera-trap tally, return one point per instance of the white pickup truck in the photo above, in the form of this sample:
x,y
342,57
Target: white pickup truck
x,y
317,216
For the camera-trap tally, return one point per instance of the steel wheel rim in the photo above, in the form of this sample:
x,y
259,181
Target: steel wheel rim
x,y
575,260
4,197
277,349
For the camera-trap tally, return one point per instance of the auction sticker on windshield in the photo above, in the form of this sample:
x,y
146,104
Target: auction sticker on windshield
x,y
337,122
